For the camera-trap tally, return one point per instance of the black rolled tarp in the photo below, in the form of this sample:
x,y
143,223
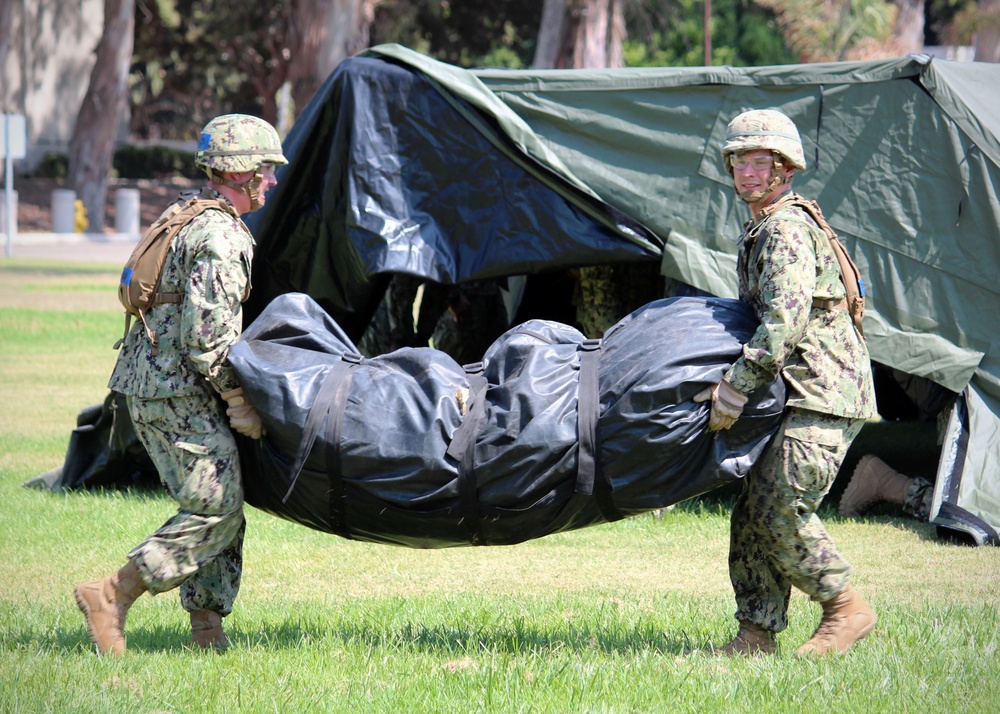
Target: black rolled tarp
x,y
550,432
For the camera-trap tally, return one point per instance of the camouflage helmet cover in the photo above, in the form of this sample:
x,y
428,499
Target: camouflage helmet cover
x,y
238,142
764,129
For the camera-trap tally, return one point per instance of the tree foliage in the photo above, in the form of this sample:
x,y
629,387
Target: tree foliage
x,y
180,77
659,33
196,59
672,34
833,30
466,34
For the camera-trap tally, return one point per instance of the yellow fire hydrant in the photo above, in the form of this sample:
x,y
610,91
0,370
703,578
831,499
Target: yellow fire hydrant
x,y
80,222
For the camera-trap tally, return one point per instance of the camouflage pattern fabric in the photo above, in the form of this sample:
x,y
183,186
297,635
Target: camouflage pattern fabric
x,y
607,293
238,142
474,318
784,262
200,548
209,263
919,496
392,326
180,419
776,538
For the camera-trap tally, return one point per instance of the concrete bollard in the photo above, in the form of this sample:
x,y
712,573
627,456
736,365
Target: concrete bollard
x,y
63,210
13,213
127,211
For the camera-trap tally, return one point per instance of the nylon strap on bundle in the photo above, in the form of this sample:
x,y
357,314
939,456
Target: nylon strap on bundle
x,y
327,411
463,450
334,430
589,478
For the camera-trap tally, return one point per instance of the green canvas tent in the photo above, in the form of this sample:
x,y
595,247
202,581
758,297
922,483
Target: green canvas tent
x,y
404,165
903,155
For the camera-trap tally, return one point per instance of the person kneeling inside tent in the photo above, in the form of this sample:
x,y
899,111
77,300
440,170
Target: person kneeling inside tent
x,y
789,273
178,383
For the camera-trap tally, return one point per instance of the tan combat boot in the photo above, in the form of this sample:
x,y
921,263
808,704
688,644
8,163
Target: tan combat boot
x,y
847,618
105,603
206,630
873,481
750,640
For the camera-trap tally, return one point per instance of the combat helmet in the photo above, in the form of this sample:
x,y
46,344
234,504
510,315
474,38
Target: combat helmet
x,y
238,142
763,129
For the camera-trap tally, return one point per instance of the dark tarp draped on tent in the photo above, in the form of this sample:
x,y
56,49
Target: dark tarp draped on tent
x,y
391,177
401,164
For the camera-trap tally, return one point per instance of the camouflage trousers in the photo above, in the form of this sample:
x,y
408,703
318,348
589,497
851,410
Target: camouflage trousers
x,y
776,538
919,496
200,549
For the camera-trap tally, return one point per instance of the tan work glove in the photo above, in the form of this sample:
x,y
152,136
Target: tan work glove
x,y
242,416
727,404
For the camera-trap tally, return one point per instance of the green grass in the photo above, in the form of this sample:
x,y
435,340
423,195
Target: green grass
x,y
605,619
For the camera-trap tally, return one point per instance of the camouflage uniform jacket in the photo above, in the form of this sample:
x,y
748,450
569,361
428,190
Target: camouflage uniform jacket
x,y
784,262
209,262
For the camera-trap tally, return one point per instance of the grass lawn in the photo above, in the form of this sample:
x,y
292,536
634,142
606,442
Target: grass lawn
x,y
606,619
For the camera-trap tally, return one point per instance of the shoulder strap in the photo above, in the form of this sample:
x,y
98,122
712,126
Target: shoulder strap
x,y
850,276
158,238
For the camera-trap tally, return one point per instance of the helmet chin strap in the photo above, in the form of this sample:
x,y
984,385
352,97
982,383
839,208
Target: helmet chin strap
x,y
251,187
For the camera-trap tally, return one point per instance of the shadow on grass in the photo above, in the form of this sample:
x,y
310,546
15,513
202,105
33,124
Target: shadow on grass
x,y
521,638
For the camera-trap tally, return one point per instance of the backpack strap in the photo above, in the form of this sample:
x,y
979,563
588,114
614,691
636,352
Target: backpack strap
x,y
174,219
854,301
191,210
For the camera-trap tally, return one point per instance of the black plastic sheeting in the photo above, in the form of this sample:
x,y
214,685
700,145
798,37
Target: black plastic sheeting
x,y
386,175
103,452
558,432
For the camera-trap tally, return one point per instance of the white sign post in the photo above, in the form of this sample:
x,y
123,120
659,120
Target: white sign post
x,y
13,145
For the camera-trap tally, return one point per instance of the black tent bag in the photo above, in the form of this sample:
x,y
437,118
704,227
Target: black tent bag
x,y
550,432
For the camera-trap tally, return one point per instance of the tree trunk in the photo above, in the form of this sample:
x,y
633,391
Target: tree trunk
x,y
346,23
908,37
576,34
549,44
91,148
6,23
307,32
988,32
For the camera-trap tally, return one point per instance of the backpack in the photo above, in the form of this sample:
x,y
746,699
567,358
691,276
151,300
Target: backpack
x,y
850,276
138,289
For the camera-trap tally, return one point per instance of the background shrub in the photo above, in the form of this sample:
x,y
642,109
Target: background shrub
x,y
139,162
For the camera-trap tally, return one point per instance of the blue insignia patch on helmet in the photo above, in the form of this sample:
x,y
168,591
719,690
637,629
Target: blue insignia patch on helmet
x,y
205,141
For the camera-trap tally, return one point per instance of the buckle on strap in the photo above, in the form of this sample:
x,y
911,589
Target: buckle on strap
x,y
830,304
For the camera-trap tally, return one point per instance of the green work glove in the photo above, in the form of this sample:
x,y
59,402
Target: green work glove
x,y
727,404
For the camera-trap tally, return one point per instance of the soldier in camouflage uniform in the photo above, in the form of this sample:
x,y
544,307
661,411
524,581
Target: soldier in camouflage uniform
x,y
185,401
789,273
